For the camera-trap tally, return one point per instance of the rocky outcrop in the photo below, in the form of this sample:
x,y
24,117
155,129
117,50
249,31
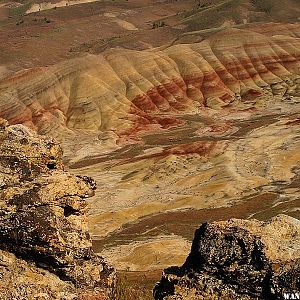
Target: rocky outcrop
x,y
238,259
127,91
44,239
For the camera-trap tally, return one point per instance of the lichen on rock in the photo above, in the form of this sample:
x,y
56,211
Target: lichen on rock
x,y
43,223
238,259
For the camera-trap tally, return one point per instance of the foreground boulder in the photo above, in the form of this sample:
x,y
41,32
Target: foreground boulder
x,y
45,247
238,259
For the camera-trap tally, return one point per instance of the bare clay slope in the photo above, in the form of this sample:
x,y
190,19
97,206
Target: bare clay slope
x,y
126,91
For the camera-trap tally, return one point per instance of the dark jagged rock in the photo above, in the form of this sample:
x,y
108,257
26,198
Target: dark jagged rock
x,y
238,259
43,225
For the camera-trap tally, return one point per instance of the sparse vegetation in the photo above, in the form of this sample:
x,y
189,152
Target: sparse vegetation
x,y
214,15
264,6
157,24
19,10
135,285
20,22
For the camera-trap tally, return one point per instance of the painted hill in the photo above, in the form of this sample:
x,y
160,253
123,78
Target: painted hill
x,y
127,91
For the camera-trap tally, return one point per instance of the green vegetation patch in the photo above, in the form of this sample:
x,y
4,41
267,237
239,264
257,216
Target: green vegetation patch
x,y
20,10
213,15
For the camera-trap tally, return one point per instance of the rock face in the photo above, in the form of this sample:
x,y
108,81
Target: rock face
x,y
238,259
43,227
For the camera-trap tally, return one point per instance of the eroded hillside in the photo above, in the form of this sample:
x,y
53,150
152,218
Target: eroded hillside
x,y
177,127
125,91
